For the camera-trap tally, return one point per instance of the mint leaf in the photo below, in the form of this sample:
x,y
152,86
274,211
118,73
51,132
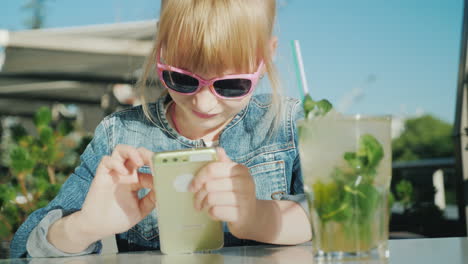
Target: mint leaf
x,y
370,151
313,108
352,160
329,205
309,105
368,202
323,107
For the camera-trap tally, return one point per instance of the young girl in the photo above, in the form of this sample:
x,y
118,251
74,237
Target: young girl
x,y
209,55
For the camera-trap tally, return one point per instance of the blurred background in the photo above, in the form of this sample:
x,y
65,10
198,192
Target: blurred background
x,y
64,65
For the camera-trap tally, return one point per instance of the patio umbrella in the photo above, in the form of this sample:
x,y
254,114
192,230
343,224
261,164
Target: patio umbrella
x,y
70,65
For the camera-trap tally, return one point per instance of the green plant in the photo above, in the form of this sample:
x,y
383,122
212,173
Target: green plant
x,y
404,193
38,165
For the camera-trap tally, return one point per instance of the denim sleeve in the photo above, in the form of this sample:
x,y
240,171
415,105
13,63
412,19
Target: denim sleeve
x,y
297,184
297,188
71,195
38,245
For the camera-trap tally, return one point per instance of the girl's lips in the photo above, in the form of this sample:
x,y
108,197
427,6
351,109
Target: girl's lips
x,y
201,115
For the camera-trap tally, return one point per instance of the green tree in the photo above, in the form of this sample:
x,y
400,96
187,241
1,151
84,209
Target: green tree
x,y
424,137
37,7
38,165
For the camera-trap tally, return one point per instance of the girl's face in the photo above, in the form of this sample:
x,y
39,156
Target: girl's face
x,y
204,110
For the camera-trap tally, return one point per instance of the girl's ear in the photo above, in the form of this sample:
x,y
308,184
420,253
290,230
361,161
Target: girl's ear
x,y
273,46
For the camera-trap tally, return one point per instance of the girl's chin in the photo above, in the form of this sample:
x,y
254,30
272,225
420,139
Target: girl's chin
x,y
209,124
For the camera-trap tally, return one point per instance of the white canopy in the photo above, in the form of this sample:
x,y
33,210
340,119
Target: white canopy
x,y
75,64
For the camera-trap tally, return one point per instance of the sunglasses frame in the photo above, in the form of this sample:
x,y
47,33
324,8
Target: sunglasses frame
x,y
253,77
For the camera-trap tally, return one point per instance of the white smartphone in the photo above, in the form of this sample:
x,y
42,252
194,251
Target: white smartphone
x,y
182,229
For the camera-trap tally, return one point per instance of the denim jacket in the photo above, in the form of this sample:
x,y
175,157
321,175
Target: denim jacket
x,y
272,159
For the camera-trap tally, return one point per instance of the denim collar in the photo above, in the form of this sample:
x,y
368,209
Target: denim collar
x,y
161,116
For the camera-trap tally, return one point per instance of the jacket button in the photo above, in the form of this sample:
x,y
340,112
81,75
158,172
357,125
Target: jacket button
x,y
277,195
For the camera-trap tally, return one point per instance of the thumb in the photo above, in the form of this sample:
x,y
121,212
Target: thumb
x,y
222,156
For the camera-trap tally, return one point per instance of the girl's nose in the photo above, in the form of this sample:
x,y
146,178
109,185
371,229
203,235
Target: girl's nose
x,y
205,100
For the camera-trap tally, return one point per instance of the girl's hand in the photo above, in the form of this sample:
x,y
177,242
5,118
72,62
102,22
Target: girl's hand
x,y
112,205
227,191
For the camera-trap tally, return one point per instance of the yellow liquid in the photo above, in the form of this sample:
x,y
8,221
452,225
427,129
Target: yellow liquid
x,y
351,235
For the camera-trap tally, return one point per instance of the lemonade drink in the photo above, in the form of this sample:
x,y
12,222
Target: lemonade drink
x,y
346,166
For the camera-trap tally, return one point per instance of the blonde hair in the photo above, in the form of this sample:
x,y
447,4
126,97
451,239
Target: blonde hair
x,y
212,36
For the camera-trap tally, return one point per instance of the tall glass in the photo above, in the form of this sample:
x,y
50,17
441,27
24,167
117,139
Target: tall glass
x,y
346,166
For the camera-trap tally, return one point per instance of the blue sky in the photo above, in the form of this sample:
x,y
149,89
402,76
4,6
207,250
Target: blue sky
x,y
397,57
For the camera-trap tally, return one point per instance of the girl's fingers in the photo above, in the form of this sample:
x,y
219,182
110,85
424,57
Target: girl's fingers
x,y
148,203
146,180
198,198
223,185
224,213
119,174
222,156
233,184
146,155
219,199
128,155
111,164
213,170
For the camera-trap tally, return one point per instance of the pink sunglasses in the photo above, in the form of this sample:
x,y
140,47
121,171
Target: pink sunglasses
x,y
234,86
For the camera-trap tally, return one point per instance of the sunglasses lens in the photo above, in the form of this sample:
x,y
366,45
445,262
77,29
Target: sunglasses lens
x,y
180,82
233,87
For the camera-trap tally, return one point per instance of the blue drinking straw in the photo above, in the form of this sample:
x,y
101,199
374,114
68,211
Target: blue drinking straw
x,y
300,73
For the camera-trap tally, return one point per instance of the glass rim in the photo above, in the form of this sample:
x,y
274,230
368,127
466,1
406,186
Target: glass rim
x,y
352,117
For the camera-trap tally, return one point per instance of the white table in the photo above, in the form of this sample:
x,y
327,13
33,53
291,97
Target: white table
x,y
411,251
